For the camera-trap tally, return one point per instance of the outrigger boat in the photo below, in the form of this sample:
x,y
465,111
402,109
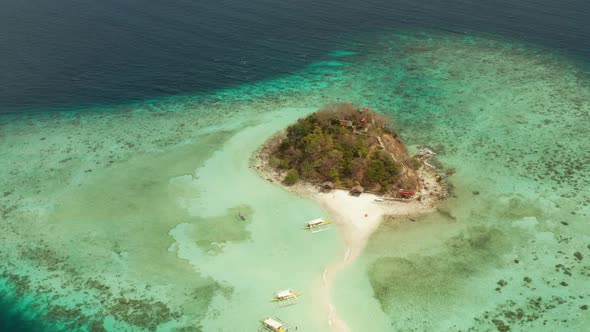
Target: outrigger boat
x,y
318,225
286,297
273,325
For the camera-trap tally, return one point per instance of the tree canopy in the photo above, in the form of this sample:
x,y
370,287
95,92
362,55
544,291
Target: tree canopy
x,y
338,144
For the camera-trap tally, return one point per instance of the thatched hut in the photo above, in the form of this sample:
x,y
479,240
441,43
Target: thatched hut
x,y
326,186
357,190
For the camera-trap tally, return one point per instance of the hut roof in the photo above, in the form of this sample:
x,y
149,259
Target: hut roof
x,y
357,189
328,184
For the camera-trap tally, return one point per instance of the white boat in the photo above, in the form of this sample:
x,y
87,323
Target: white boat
x,y
286,294
317,222
318,225
273,325
286,297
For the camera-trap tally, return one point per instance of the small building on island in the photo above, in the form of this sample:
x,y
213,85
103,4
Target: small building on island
x,y
357,190
327,186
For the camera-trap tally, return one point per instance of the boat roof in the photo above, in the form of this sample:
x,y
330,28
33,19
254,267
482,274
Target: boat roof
x,y
283,293
271,322
316,221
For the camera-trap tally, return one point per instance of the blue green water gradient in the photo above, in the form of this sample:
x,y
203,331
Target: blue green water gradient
x,y
124,219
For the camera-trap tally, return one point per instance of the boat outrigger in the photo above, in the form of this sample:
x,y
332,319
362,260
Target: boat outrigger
x,y
273,325
318,225
286,297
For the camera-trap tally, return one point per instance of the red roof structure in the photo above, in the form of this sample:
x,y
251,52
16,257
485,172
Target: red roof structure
x,y
406,193
346,123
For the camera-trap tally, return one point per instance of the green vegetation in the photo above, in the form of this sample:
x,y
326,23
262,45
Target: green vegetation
x,y
338,144
292,177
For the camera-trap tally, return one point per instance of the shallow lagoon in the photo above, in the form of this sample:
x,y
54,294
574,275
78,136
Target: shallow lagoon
x,y
126,218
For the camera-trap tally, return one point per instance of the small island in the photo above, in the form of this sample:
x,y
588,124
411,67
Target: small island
x,y
345,147
348,159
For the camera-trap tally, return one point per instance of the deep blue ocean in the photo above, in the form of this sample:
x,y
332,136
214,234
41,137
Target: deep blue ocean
x,y
71,53
63,54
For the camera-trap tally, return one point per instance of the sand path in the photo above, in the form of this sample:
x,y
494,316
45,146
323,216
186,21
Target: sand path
x,y
357,218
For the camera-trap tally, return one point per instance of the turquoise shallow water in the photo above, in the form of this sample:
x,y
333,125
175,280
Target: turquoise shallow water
x,y
510,123
126,219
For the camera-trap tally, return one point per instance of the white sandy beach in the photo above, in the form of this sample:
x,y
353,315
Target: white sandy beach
x,y
357,218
